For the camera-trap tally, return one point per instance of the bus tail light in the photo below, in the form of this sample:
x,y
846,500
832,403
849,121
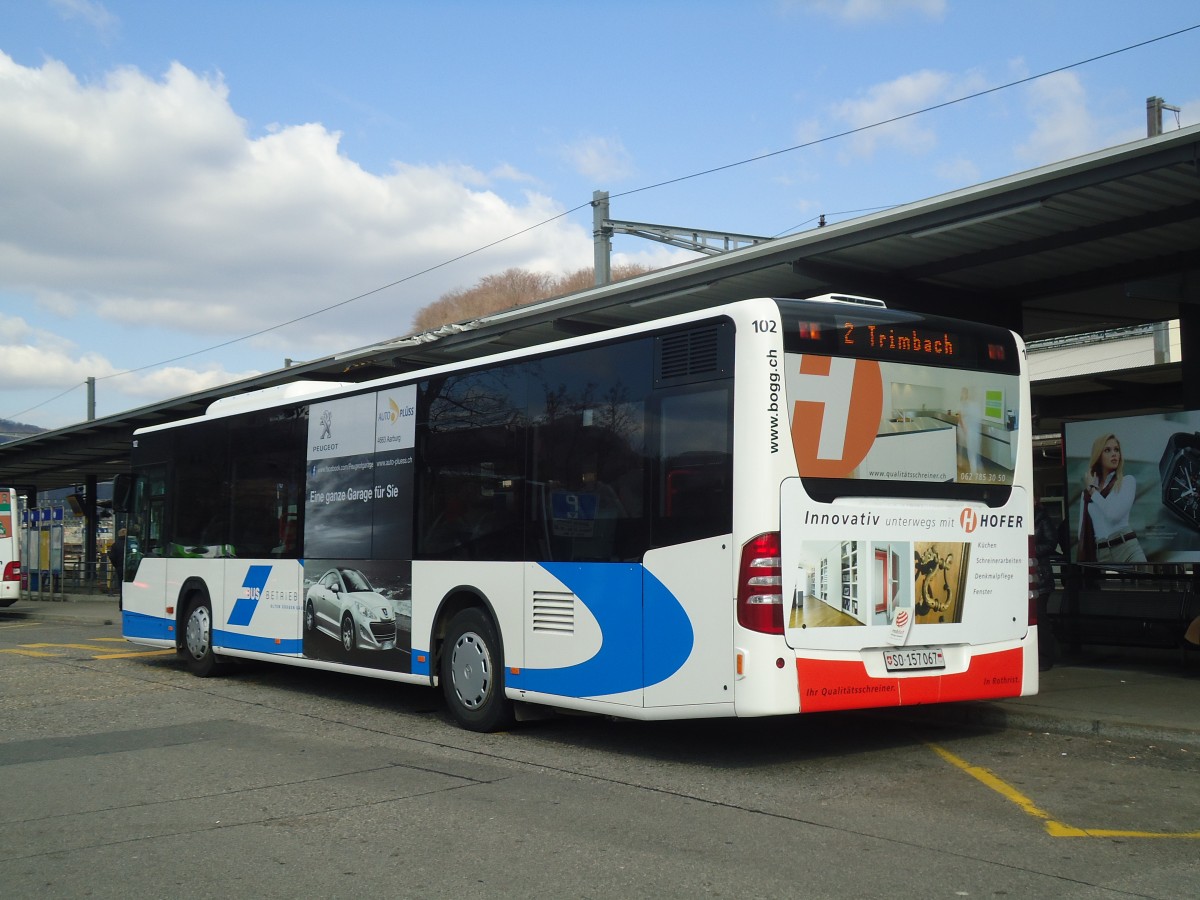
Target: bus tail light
x,y
12,571
760,585
1033,583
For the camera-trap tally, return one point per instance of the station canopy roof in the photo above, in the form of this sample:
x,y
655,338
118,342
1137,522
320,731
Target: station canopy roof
x,y
1102,241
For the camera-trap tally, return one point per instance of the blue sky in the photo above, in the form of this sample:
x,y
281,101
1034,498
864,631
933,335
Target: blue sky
x,y
176,177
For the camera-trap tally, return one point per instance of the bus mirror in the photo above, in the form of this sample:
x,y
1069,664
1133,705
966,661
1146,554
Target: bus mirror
x,y
122,496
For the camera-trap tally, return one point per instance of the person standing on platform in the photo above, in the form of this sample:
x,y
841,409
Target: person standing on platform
x,y
116,559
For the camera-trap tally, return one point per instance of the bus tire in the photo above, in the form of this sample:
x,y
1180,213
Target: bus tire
x,y
472,673
197,640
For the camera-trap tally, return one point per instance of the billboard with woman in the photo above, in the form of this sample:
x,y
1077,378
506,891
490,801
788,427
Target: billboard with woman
x,y
1133,489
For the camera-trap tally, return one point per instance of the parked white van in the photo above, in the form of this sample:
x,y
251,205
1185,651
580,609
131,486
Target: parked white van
x,y
10,549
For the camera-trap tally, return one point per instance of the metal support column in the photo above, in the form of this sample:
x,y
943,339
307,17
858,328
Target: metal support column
x,y
1154,111
91,559
601,237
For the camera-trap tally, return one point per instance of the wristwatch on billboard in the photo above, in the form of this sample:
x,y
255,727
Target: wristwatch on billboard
x,y
1179,470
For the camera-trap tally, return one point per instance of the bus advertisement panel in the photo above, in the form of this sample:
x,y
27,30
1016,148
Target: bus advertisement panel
x,y
358,529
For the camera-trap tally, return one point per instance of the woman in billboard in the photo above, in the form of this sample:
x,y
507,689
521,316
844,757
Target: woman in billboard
x,y
1105,535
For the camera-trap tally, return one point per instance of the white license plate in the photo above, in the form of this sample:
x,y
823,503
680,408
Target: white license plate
x,y
912,658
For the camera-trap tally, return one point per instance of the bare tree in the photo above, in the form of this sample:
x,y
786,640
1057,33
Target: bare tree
x,y
512,287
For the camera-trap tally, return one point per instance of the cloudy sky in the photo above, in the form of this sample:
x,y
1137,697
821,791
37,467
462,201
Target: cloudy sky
x,y
191,192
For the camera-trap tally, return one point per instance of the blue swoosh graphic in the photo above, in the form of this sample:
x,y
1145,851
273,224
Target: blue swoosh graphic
x,y
234,640
140,625
626,600
252,586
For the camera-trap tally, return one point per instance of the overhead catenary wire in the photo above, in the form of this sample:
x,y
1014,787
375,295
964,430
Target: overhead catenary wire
x,y
59,396
821,217
649,187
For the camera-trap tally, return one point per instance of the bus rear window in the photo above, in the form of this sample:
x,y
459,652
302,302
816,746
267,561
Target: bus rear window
x,y
864,427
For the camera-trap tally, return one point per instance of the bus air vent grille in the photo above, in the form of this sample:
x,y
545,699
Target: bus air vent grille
x,y
554,612
690,353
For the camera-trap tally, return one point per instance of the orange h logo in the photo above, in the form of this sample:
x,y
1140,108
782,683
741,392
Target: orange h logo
x,y
838,405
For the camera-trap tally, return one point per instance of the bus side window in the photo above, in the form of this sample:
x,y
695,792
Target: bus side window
x,y
695,481
587,482
144,519
256,532
199,515
587,464
470,481
265,449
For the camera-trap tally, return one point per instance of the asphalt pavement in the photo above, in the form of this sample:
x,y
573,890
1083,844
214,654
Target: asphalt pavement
x,y
1115,693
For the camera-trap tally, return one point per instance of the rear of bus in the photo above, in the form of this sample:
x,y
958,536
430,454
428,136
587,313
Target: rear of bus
x,y
897,448
10,557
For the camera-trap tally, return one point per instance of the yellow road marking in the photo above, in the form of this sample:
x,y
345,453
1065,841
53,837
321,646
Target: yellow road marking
x,y
134,653
100,652
65,647
1053,827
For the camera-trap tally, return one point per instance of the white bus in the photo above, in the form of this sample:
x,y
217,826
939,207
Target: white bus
x,y
10,548
768,507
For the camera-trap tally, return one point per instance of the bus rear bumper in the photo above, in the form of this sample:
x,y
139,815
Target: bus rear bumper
x,y
856,682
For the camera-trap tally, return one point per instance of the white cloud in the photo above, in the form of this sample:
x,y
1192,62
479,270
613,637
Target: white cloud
x,y
173,381
905,94
93,14
599,158
1067,121
958,171
808,130
902,98
40,360
13,329
507,172
1063,126
142,202
860,12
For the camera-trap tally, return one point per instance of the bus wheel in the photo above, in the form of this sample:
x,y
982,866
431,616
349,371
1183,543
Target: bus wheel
x,y
472,673
348,632
197,640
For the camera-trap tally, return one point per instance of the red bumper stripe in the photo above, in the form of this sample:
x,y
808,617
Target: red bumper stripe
x,y
837,684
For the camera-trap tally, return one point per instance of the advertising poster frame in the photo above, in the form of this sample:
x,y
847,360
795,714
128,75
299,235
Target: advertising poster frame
x,y
1157,484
